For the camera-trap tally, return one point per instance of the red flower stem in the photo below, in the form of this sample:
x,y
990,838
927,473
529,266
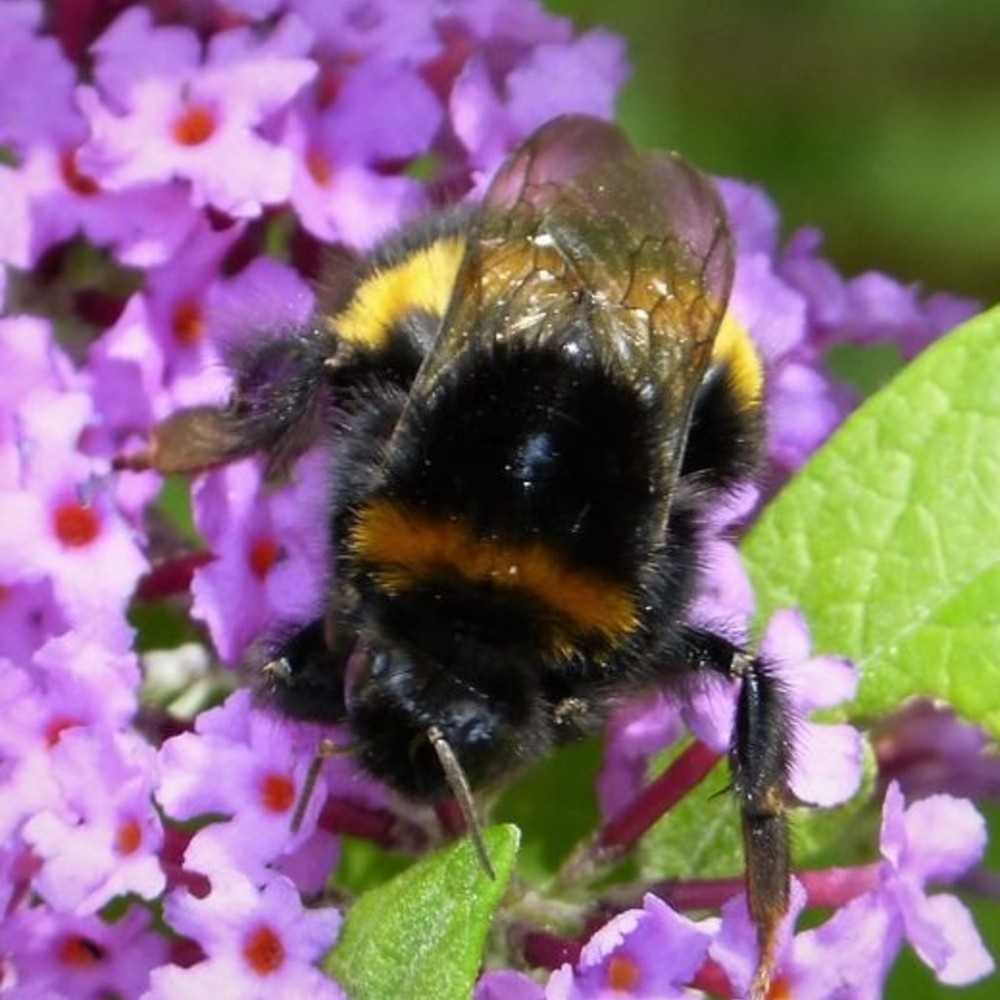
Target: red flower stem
x,y
835,887
711,979
697,894
380,826
171,577
73,26
828,888
688,769
542,950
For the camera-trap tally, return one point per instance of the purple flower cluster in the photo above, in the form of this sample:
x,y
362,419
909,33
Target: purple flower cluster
x,y
167,185
653,951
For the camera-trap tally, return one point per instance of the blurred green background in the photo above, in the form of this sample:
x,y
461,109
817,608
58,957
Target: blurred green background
x,y
877,120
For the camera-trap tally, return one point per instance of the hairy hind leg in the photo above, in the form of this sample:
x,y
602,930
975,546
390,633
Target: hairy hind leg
x,y
760,757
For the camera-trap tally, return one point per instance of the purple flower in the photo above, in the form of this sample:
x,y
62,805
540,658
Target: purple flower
x,y
803,405
87,679
927,749
16,233
735,946
375,29
807,408
62,521
29,614
126,365
49,954
634,734
176,297
828,756
32,362
648,953
345,201
269,558
39,109
491,108
869,308
933,840
257,942
167,348
174,116
253,10
51,196
248,767
795,307
264,295
101,840
725,600
144,225
28,783
73,680
384,113
505,984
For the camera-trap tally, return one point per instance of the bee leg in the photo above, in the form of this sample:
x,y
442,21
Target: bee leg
x,y
306,676
760,758
275,407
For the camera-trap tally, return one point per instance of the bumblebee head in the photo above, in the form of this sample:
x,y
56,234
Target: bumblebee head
x,y
405,710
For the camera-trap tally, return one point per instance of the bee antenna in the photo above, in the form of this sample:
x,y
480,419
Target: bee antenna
x,y
459,785
325,749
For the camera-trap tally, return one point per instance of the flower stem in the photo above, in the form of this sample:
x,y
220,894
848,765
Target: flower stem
x,y
171,577
380,826
688,770
616,837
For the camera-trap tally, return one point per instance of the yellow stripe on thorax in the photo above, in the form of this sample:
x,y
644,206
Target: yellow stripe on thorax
x,y
408,548
734,349
422,281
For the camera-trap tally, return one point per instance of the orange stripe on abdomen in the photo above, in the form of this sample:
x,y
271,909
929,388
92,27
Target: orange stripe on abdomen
x,y
406,549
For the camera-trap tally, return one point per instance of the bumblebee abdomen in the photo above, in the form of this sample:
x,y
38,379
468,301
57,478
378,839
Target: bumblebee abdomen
x,y
527,445
529,476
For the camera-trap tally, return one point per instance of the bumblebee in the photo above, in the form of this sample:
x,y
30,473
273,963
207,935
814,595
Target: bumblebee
x,y
534,403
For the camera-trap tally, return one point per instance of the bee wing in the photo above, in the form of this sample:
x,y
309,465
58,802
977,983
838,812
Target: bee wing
x,y
579,226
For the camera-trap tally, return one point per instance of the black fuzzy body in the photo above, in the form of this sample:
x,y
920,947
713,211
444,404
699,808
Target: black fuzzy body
x,y
525,444
535,407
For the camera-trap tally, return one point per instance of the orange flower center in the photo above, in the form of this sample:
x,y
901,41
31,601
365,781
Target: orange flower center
x,y
75,525
319,167
79,952
194,125
188,322
623,973
277,793
56,727
263,950
264,553
128,837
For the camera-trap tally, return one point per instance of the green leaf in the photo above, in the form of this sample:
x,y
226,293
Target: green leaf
x,y
890,538
363,866
699,837
554,806
423,933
